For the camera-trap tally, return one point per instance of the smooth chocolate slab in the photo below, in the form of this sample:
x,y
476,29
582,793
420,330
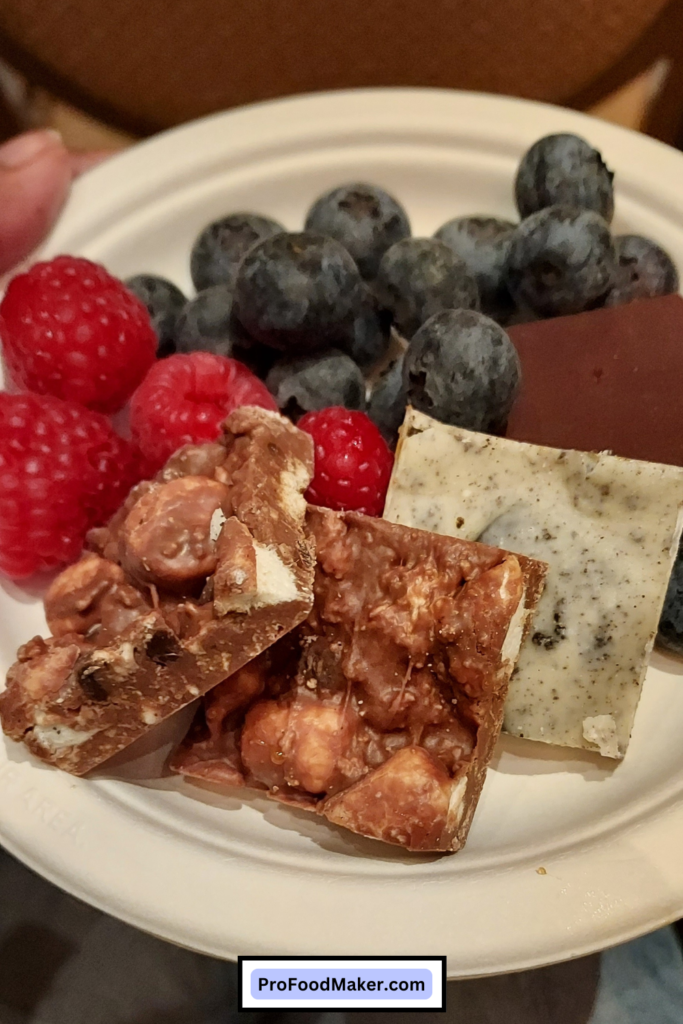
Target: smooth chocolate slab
x,y
607,380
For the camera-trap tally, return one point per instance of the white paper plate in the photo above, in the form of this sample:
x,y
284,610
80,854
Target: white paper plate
x,y
231,874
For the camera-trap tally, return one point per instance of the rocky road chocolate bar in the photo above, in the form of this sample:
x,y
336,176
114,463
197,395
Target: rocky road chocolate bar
x,y
201,569
381,711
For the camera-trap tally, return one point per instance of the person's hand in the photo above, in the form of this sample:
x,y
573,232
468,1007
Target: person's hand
x,y
36,171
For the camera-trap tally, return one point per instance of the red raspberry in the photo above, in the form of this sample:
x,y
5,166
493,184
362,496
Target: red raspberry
x,y
352,461
185,398
72,330
62,470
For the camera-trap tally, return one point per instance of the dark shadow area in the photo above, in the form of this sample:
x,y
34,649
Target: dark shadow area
x,y
562,994
30,957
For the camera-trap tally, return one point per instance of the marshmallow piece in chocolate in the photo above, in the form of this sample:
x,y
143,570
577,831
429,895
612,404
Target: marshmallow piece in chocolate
x,y
235,580
249,574
409,800
381,711
151,618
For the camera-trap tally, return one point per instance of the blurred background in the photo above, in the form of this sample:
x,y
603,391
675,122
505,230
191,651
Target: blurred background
x,y
105,72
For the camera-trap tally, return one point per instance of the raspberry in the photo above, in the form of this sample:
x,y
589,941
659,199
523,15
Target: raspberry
x,y
185,398
72,330
62,471
352,461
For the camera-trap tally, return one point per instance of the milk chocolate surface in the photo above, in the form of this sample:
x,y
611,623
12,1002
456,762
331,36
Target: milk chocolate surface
x,y
200,571
607,380
381,711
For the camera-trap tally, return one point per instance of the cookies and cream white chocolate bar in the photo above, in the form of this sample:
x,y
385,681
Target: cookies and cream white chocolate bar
x,y
609,530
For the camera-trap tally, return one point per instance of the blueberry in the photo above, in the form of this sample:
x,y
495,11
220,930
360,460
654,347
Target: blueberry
x,y
364,218
164,302
562,260
298,292
644,271
217,252
371,333
461,368
388,401
422,276
564,169
207,324
317,381
671,621
483,243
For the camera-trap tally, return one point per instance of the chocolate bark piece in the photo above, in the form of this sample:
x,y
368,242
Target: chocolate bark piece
x,y
381,711
607,380
200,571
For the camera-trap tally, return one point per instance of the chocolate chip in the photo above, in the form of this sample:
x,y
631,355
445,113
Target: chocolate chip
x,y
92,683
162,649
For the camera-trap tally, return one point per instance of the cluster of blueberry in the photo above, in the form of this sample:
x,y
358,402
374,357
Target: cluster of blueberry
x,y
312,312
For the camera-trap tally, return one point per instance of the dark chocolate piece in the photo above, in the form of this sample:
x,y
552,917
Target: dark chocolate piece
x,y
381,711
199,572
607,380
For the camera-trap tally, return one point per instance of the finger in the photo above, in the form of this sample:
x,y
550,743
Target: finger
x,y
83,161
35,177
